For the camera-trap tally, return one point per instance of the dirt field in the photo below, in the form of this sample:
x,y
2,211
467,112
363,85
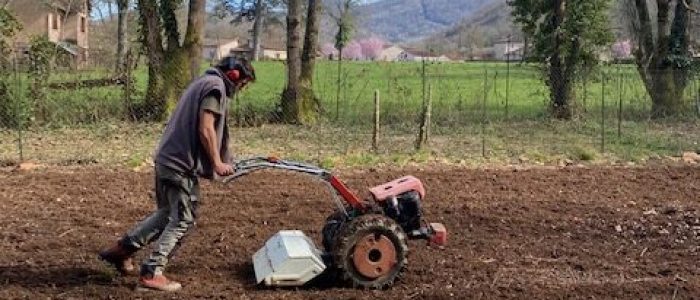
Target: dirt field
x,y
568,233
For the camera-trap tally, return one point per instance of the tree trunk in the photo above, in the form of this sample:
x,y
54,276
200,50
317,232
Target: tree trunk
x,y
122,35
309,105
154,104
290,96
170,69
660,62
195,34
667,93
170,25
308,58
559,83
526,48
260,14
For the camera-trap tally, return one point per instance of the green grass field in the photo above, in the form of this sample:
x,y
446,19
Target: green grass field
x,y
468,118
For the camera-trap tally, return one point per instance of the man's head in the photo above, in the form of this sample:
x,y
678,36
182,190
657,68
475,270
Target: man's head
x,y
238,70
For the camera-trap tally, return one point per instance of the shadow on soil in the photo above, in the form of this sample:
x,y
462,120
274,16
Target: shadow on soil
x,y
60,277
246,273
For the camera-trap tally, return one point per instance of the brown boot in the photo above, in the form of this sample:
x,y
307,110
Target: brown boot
x,y
157,282
119,257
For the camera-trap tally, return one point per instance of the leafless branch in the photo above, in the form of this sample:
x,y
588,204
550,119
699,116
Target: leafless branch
x,y
688,7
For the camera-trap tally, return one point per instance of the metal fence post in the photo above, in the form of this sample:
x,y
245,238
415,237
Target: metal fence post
x,y
507,74
602,113
375,134
483,114
619,110
18,107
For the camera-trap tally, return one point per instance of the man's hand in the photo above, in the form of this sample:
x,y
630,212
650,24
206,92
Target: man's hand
x,y
223,169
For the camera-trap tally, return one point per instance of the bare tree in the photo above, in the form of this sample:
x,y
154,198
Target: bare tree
x,y
257,11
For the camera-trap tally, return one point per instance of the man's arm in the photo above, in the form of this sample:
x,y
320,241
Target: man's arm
x,y
207,134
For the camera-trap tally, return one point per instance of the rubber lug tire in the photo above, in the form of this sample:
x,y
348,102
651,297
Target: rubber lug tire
x,y
351,233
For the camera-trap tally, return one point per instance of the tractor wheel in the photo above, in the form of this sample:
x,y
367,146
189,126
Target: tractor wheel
x,y
371,252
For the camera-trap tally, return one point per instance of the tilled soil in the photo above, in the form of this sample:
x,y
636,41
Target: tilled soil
x,y
565,233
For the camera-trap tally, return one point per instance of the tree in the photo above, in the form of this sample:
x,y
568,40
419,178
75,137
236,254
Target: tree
x,y
256,11
299,103
567,34
344,20
9,27
353,51
372,47
122,34
171,65
662,50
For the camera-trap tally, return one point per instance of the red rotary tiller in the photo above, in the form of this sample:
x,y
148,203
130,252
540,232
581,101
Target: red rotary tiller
x,y
365,240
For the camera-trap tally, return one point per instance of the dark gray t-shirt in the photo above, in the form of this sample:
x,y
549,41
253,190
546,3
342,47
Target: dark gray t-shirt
x,y
180,147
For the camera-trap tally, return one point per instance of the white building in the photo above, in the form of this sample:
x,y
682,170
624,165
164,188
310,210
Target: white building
x,y
216,49
390,53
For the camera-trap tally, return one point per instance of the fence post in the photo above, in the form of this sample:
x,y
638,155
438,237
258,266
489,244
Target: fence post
x,y
423,131
619,110
507,76
483,114
18,108
423,80
428,114
602,113
338,82
375,135
585,93
697,96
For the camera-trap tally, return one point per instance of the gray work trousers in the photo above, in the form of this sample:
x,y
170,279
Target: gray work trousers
x,y
177,197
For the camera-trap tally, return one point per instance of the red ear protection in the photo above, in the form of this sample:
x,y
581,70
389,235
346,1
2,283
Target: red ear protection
x,y
234,75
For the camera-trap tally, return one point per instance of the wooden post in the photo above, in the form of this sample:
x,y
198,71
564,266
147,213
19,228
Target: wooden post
x,y
424,123
375,135
428,113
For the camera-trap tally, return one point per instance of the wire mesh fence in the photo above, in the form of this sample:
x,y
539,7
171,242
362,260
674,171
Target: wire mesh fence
x,y
477,111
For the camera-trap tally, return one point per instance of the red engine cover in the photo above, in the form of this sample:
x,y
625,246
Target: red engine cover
x,y
397,187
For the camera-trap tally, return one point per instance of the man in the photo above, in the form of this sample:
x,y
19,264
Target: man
x,y
194,144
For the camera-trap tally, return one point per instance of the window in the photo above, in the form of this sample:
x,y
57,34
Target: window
x,y
54,21
83,25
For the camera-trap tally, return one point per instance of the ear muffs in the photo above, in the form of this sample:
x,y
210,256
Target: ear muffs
x,y
234,75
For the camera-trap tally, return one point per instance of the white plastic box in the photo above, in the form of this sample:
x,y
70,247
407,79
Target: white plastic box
x,y
289,258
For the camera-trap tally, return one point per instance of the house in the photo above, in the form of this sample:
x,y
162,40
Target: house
x,y
420,55
508,50
269,51
390,53
273,53
215,49
455,56
64,22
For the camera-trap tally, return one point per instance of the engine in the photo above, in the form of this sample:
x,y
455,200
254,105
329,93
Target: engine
x,y
405,209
